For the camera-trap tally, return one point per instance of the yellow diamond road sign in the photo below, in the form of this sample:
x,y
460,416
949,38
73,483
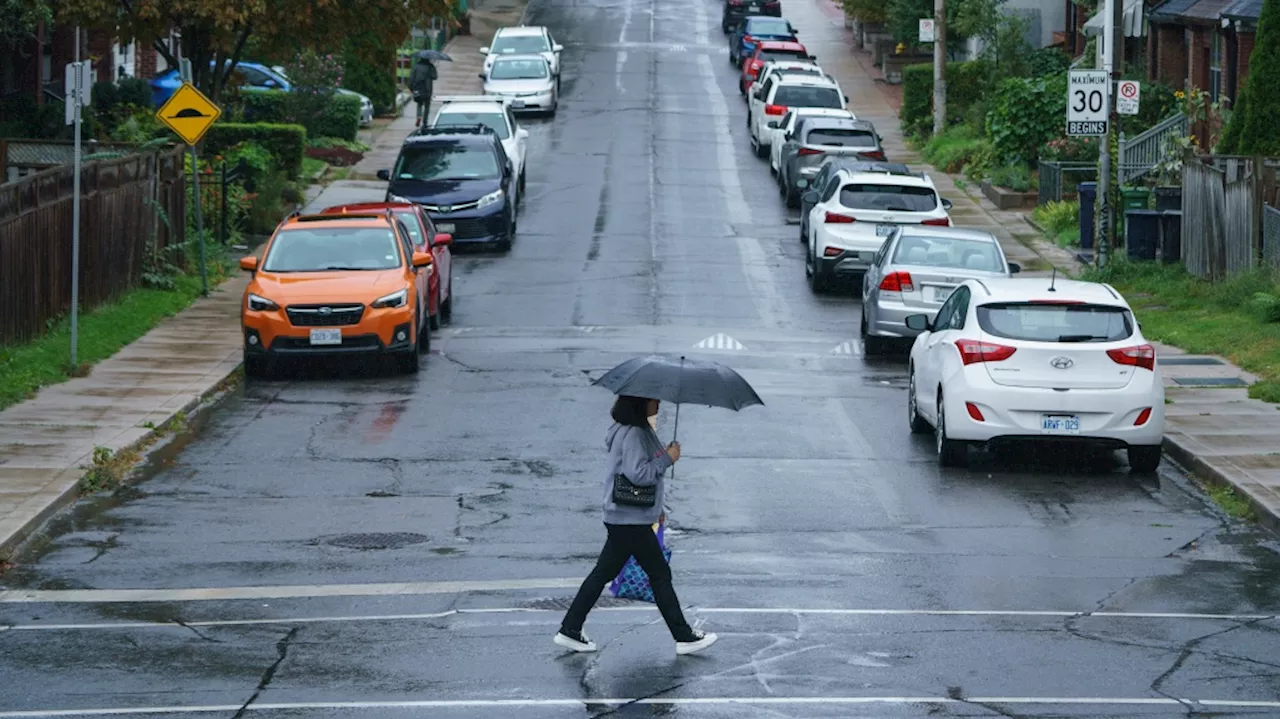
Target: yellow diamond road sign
x,y
189,113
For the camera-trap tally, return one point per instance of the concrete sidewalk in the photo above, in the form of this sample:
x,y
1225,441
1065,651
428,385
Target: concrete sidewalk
x,y
127,400
1214,430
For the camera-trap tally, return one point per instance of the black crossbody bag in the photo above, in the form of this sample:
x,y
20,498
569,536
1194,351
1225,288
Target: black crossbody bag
x,y
630,495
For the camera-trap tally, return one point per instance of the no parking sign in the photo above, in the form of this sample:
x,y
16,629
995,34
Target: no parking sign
x,y
1128,93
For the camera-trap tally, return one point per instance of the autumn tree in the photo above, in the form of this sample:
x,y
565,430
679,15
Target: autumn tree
x,y
215,33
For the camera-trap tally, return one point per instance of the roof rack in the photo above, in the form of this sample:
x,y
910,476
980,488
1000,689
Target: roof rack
x,y
387,215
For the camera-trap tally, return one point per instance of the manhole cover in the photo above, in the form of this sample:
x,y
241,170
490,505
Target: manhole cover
x,y
562,603
1190,361
378,540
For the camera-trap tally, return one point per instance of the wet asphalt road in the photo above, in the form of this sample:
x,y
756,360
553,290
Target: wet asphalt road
x,y
648,227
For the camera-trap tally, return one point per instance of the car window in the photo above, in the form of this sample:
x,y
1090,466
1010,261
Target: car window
x,y
888,198
951,315
770,26
412,228
840,137
1052,322
961,313
517,44
446,160
511,119
518,69
253,76
830,190
495,121
808,96
949,252
317,249
407,238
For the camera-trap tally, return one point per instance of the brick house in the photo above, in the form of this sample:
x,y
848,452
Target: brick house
x,y
36,67
1203,44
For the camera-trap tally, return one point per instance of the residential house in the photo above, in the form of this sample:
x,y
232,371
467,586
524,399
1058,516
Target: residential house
x,y
1133,24
1203,44
1041,21
36,68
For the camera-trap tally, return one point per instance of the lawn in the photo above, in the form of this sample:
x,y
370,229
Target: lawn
x,y
104,331
1238,318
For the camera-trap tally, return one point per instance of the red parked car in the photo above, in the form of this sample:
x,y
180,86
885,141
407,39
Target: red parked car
x,y
422,231
766,51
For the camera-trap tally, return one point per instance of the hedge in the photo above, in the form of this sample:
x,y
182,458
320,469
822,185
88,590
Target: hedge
x,y
340,118
285,142
965,85
1025,114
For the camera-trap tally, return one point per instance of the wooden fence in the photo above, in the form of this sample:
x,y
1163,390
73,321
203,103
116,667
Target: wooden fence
x,y
118,224
1223,203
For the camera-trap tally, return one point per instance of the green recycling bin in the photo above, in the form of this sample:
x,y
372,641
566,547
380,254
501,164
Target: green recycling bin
x,y
1131,198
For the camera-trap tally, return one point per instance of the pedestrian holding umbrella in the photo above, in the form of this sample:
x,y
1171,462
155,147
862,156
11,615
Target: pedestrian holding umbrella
x,y
422,80
634,486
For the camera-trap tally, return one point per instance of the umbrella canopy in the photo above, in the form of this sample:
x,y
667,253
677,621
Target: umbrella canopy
x,y
681,381
433,55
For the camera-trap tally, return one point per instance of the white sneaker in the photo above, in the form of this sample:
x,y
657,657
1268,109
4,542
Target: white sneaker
x,y
579,643
702,641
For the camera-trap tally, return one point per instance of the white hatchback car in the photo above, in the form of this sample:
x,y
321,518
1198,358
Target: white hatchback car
x,y
855,211
1009,360
522,40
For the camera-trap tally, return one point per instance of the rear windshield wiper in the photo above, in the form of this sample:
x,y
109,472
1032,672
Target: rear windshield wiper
x,y
898,209
1080,338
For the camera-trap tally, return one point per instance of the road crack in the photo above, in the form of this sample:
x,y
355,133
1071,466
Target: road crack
x,y
282,651
196,631
1189,649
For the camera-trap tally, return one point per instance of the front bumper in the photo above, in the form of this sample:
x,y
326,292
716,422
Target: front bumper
x,y
539,102
475,227
379,331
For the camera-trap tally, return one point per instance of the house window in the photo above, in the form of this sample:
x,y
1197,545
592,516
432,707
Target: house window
x,y
1215,67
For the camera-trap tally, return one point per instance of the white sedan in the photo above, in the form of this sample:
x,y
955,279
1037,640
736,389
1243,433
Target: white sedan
x,y
1009,360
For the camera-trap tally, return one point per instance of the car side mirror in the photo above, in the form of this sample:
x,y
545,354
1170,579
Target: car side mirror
x,y
1014,268
846,99
810,197
422,259
947,204
919,323
249,264
773,124
813,57
521,132
270,83
484,50
443,239
557,47
384,175
480,75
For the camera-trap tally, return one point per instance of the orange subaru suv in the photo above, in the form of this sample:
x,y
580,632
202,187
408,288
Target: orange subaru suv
x,y
335,284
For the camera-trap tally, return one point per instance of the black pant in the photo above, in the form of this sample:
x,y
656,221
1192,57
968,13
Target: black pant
x,y
626,541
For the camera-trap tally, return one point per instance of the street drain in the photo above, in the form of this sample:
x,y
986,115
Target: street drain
x,y
562,603
377,540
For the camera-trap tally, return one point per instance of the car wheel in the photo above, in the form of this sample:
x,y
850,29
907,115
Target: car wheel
x,y
790,196
917,423
732,60
1144,459
520,187
950,452
434,320
446,309
872,346
762,151
255,366
804,226
742,89
424,335
504,245
817,281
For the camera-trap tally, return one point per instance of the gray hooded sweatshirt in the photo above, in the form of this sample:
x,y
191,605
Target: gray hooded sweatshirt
x,y
637,453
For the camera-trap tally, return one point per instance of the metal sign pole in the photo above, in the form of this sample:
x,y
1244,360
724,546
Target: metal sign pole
x,y
75,207
195,188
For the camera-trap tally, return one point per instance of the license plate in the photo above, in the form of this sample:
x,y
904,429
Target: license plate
x,y
753,8
446,227
517,103
326,337
883,230
940,294
1060,424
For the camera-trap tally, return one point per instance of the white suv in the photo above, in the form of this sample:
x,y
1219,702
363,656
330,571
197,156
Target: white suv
x,y
1010,360
497,114
782,93
855,211
523,40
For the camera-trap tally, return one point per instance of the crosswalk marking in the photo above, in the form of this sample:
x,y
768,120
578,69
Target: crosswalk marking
x,y
720,341
849,348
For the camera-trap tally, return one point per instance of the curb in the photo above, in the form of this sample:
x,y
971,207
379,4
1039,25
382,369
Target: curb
x,y
1207,471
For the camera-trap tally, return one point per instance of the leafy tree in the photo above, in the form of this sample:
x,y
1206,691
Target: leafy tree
x,y
1258,111
904,21
871,12
18,21
215,33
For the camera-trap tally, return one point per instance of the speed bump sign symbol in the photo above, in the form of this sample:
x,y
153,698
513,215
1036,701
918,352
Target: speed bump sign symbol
x,y
189,113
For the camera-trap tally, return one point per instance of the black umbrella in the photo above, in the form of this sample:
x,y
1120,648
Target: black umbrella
x,y
433,55
682,381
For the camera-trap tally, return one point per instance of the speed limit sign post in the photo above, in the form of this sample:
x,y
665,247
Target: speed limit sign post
x,y
1088,103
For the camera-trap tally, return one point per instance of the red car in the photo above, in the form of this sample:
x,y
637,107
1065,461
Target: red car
x,y
422,231
766,51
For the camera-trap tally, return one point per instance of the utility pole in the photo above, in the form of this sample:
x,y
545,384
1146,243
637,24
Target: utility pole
x,y
939,66
1110,51
75,104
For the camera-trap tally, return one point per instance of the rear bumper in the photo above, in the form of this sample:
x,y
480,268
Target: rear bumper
x,y
847,263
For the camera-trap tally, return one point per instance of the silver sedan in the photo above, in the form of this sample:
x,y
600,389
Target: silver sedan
x,y
915,271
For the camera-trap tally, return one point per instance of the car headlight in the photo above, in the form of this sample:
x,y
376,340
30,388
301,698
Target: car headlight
x,y
395,299
258,303
397,198
492,198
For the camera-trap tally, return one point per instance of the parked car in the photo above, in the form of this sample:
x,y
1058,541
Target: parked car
x,y
523,40
526,81
856,211
335,284
1011,360
816,138
752,30
436,293
495,113
773,73
766,51
464,180
366,105
784,93
779,130
916,270
736,10
257,78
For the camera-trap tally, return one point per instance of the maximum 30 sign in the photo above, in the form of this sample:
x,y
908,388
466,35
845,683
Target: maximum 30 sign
x,y
1088,103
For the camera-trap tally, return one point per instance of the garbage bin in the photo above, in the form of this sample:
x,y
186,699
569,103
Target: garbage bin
x,y
1088,193
1131,198
1168,197
1171,236
1142,233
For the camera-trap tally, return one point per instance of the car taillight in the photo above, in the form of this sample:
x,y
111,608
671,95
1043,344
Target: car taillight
x,y
897,282
1143,416
809,151
735,3
773,5
874,155
938,222
755,66
1143,356
837,218
974,412
973,351
831,252
748,38
775,109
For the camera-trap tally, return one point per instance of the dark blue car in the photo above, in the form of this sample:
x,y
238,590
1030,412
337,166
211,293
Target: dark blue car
x,y
256,77
752,30
463,179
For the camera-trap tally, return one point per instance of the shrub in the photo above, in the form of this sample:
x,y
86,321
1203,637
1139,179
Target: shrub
x,y
340,118
1047,61
965,85
955,148
1025,114
1060,221
370,62
264,106
1265,306
339,115
1071,149
1016,177
284,142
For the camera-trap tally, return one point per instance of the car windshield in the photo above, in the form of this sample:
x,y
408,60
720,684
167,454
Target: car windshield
x,y
512,44
518,69
1055,322
808,96
446,160
949,252
787,55
888,198
496,121
841,137
321,249
771,27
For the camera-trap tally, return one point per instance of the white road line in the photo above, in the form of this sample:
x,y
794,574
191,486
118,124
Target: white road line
x,y
552,614
669,701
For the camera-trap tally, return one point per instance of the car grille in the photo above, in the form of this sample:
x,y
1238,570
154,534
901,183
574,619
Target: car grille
x,y
324,315
452,208
478,227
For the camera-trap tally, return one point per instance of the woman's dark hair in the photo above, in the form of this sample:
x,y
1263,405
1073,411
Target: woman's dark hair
x,y
631,411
